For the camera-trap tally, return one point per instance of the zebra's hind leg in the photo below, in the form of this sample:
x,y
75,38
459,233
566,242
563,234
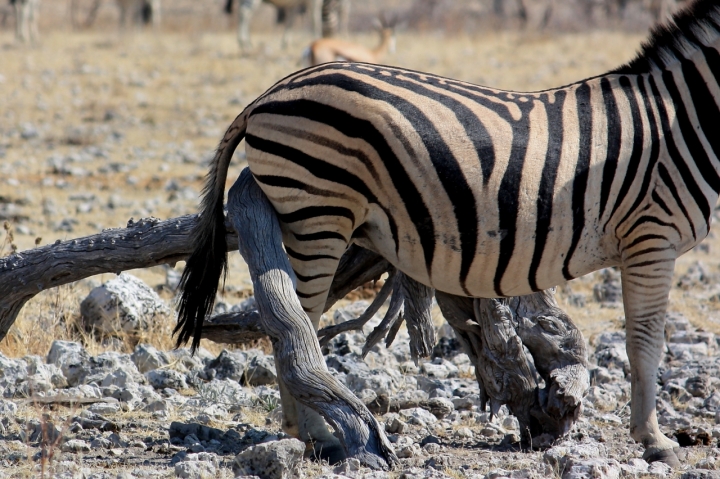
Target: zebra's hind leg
x,y
314,253
646,281
308,390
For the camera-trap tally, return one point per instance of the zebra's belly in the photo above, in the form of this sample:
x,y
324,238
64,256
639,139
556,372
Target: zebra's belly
x,y
491,274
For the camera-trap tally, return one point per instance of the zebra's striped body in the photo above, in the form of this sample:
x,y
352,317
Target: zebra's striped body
x,y
470,190
486,193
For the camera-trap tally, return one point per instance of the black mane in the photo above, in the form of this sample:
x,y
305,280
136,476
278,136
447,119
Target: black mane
x,y
690,29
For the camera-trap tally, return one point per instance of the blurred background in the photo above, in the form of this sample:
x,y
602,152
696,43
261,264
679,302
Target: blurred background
x,y
455,16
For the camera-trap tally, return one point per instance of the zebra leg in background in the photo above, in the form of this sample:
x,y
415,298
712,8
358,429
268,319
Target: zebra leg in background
x,y
344,17
646,281
291,14
156,15
20,21
315,7
245,14
32,18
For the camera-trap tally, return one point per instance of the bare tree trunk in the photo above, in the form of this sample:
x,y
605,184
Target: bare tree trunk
x,y
297,352
495,334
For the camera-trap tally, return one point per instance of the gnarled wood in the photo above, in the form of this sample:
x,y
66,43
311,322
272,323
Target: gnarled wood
x,y
298,357
234,328
145,243
495,333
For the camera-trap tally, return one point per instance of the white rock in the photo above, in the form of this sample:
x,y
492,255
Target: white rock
x,y
71,358
75,445
601,399
271,460
379,380
7,408
104,408
261,370
594,468
510,423
440,369
195,470
122,304
466,402
147,358
229,365
418,416
166,378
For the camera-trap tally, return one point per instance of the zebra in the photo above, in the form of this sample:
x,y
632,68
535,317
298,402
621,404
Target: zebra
x,y
479,192
327,16
26,20
138,11
335,15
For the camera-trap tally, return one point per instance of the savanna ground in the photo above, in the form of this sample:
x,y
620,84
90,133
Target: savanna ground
x,y
100,126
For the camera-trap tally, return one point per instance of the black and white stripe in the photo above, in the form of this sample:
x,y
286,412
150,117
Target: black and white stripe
x,y
335,16
480,192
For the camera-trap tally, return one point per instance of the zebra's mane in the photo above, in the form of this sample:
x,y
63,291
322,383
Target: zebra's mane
x,y
687,31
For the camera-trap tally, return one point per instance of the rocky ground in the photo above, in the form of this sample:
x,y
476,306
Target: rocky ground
x,y
167,413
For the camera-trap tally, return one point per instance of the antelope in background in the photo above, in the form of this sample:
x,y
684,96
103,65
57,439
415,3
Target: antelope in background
x,y
326,50
26,20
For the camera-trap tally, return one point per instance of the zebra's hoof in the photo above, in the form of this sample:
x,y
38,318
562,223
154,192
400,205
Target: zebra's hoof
x,y
668,456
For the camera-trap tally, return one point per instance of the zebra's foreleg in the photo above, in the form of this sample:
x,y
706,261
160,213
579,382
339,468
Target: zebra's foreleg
x,y
646,281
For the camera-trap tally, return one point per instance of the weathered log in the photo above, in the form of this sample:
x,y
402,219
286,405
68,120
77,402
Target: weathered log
x,y
495,333
548,334
298,358
418,315
329,332
411,301
142,244
558,347
145,243
234,328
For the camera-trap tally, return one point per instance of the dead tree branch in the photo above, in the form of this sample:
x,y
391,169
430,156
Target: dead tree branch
x,y
145,243
495,334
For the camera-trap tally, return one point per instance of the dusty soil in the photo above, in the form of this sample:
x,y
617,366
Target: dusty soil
x,y
96,128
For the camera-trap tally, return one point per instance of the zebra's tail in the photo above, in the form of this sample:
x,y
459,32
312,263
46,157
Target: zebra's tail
x,y
208,261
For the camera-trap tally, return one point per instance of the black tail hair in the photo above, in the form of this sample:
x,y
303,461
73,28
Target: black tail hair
x,y
228,7
208,261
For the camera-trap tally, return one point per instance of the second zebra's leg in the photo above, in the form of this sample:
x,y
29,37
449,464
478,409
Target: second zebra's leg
x,y
310,394
245,14
646,282
290,15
